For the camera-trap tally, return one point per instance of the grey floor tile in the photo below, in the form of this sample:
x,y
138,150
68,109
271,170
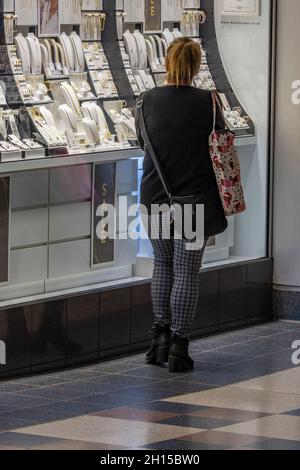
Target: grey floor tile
x,y
12,387
38,415
68,409
293,413
195,422
276,444
125,381
10,424
151,372
168,407
49,379
210,378
68,391
26,441
107,402
173,387
218,358
20,401
114,367
184,445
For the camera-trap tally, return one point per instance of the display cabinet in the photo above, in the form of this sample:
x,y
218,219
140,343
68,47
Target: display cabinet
x,y
70,74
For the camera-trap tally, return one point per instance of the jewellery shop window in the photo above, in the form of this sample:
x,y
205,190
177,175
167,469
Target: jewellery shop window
x,y
235,41
70,74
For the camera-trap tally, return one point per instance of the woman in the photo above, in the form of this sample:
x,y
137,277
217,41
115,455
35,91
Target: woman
x,y
179,120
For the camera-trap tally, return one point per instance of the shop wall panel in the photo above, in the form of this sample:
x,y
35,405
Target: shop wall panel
x,y
259,290
92,5
29,189
171,11
4,229
48,332
286,225
29,227
135,11
123,220
70,221
115,317
127,177
233,284
28,265
70,184
142,316
83,325
26,16
7,6
208,308
67,259
125,252
15,331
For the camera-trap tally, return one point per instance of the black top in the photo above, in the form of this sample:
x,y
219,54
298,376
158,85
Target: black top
x,y
179,121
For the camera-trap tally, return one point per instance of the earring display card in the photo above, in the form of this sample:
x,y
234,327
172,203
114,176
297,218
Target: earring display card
x,y
9,61
4,229
11,90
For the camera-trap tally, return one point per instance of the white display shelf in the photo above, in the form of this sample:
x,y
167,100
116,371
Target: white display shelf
x,y
69,160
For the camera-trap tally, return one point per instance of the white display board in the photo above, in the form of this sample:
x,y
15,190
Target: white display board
x,y
241,7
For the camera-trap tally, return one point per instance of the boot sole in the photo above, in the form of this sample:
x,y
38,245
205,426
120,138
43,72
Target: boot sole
x,y
177,365
161,356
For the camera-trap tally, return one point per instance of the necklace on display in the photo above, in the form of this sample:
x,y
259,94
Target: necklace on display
x,y
50,55
91,130
78,49
71,97
66,44
61,51
160,50
131,48
46,61
23,52
48,116
35,53
66,112
142,49
57,63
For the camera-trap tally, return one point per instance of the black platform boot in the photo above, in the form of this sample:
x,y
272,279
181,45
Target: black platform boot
x,y
160,347
179,358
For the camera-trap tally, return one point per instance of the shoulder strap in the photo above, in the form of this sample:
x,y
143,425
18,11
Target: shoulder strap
x,y
149,146
217,104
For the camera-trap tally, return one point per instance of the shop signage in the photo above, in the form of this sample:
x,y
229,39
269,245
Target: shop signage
x,y
4,229
103,246
152,16
241,7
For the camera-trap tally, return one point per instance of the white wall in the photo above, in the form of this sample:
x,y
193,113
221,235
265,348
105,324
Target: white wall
x,y
287,149
245,50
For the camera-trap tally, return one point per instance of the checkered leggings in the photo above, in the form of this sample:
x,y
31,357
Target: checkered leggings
x,y
175,284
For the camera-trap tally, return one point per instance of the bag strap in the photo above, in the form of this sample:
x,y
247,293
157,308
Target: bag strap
x,y
149,146
217,104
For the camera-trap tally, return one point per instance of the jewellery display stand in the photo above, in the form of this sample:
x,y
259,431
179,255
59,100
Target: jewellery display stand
x,y
67,139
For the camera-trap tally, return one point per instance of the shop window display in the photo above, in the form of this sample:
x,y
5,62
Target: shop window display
x,y
70,73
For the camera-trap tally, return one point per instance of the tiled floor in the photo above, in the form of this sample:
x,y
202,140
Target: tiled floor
x,y
244,394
